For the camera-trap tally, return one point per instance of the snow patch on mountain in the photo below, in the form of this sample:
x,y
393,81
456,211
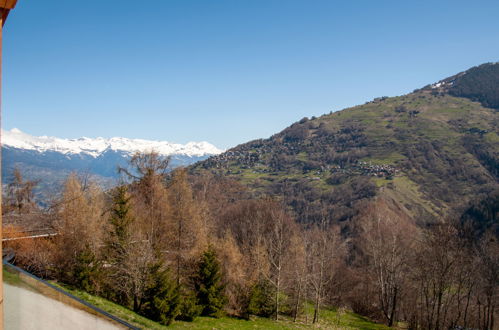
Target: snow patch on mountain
x,y
96,146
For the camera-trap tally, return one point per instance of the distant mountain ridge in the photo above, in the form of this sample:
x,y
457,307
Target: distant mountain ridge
x,y
95,147
51,159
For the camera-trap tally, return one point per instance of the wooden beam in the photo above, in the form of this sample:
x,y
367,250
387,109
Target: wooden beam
x,y
8,4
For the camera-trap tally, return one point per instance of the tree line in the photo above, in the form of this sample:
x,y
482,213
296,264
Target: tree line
x,y
172,246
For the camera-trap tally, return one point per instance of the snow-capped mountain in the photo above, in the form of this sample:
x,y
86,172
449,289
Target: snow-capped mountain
x,y
51,159
97,146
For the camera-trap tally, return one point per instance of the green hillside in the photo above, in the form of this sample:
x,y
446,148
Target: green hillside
x,y
429,151
330,318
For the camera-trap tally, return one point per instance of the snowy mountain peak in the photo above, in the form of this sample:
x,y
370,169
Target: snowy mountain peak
x,y
94,147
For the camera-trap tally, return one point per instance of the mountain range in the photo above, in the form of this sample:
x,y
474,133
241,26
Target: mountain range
x,y
51,159
431,154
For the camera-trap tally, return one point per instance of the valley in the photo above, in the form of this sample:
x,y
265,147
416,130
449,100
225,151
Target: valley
x,y
343,220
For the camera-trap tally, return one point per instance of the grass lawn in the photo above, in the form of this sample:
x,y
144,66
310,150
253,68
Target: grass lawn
x,y
331,319
11,278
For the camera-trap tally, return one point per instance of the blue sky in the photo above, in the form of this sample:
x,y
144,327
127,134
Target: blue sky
x,y
225,71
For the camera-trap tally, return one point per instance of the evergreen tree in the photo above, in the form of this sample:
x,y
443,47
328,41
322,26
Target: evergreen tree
x,y
120,221
208,284
86,271
261,301
189,308
117,248
162,296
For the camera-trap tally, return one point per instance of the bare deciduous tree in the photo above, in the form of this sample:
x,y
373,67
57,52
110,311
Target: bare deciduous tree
x,y
187,227
387,241
322,244
19,195
80,226
277,240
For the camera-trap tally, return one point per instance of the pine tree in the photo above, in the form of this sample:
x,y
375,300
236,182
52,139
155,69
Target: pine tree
x,y
162,296
86,271
120,222
208,284
189,308
261,300
117,249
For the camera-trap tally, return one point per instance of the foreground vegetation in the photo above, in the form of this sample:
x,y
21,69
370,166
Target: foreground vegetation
x,y
11,278
176,248
332,319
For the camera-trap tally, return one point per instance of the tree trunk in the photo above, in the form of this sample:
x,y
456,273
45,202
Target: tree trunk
x,y
394,305
277,298
178,250
297,304
316,309
136,304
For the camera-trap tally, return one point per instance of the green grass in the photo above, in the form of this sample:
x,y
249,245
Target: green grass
x,y
234,323
388,159
407,192
380,182
11,278
303,156
492,137
330,318
333,319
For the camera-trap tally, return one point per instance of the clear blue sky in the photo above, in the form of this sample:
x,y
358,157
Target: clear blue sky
x,y
225,71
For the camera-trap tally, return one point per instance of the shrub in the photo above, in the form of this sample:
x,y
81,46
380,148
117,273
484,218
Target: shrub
x,y
262,299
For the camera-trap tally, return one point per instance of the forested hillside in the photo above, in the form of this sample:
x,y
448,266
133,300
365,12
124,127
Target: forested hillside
x,y
480,83
172,247
388,210
430,152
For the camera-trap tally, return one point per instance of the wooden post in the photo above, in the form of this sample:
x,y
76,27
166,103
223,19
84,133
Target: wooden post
x,y
1,185
5,7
